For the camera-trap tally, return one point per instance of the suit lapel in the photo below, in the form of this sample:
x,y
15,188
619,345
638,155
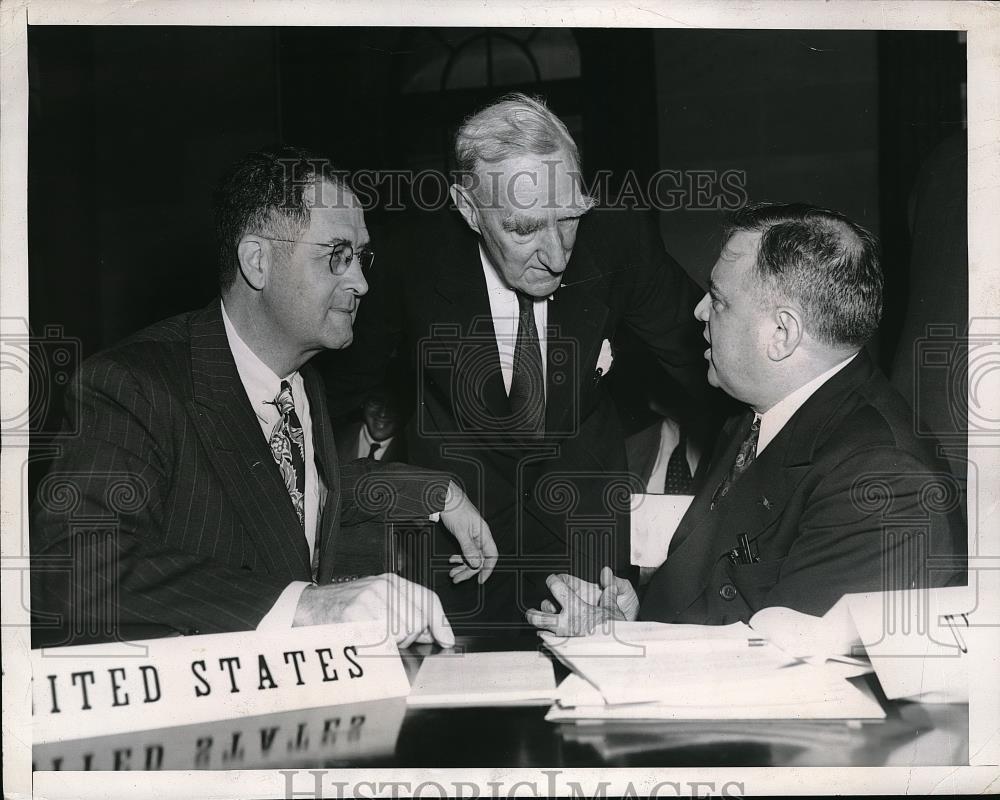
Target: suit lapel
x,y
757,499
577,316
681,578
641,450
235,445
328,466
462,286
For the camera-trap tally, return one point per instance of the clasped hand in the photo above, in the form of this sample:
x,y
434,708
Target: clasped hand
x,y
584,605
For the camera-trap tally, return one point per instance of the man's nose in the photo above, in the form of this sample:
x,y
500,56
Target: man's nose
x,y
701,310
551,253
354,279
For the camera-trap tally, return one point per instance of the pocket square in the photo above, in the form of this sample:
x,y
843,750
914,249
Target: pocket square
x,y
605,359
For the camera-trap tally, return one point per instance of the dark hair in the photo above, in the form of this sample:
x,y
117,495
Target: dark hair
x,y
263,194
821,260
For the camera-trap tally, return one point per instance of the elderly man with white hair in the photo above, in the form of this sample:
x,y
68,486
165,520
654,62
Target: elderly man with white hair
x,y
506,314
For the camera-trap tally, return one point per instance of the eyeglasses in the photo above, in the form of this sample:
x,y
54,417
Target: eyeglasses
x,y
341,255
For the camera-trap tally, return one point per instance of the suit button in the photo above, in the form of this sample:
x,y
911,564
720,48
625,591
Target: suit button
x,y
727,591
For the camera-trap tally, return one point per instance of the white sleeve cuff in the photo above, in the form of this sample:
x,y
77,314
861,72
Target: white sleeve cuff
x,y
435,517
282,613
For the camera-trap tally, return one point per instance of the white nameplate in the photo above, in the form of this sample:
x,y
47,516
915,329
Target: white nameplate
x,y
95,690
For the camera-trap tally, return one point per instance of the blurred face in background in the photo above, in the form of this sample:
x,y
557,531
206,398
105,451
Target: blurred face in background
x,y
381,416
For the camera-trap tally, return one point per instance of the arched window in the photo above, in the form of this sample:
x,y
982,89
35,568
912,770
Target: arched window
x,y
444,74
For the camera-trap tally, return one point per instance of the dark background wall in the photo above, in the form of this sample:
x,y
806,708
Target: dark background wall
x,y
130,127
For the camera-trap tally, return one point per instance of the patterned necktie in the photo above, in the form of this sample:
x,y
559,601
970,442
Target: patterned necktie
x,y
527,385
374,449
744,458
288,448
678,479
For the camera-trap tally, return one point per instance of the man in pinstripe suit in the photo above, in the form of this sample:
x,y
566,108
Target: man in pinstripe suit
x,y
206,470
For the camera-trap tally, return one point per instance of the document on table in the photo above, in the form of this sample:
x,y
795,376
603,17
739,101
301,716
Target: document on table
x,y
513,678
802,692
650,671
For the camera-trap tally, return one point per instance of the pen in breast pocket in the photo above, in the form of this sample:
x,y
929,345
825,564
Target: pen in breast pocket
x,y
747,557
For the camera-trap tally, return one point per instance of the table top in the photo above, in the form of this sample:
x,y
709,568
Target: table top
x,y
386,733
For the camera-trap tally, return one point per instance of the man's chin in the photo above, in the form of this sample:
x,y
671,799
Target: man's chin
x,y
541,290
338,340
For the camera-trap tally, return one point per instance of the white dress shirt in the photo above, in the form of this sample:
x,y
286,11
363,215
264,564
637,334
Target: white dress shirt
x,y
505,313
776,417
262,386
365,442
670,434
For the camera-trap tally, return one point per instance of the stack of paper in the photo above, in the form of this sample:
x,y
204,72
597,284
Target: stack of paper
x,y
484,679
656,671
915,640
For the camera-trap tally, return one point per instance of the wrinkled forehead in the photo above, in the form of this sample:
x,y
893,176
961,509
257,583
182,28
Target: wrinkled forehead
x,y
336,212
330,194
738,254
533,185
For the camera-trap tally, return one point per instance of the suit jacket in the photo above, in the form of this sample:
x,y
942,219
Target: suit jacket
x,y
844,499
169,509
642,448
558,503
347,444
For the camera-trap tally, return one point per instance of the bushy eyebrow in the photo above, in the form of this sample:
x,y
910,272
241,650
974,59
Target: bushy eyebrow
x,y
526,224
337,241
520,222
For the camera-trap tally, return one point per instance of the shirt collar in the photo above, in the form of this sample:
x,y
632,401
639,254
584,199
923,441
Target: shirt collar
x,y
776,417
259,381
368,441
495,285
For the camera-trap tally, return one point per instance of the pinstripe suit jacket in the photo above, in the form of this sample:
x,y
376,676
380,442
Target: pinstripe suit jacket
x,y
167,508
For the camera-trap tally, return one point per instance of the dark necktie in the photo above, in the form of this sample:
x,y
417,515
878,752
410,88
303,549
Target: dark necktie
x,y
678,479
374,449
288,448
744,458
527,385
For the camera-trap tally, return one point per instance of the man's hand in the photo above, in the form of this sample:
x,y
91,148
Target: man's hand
x,y
464,522
412,612
585,605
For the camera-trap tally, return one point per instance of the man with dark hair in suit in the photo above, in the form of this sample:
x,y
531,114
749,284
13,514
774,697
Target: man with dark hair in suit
x,y
378,434
207,456
802,501
505,315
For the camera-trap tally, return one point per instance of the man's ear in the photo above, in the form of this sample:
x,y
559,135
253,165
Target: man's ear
x,y
254,256
787,334
462,197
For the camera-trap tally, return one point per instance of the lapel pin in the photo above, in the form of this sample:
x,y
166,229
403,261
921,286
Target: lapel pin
x,y
766,503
